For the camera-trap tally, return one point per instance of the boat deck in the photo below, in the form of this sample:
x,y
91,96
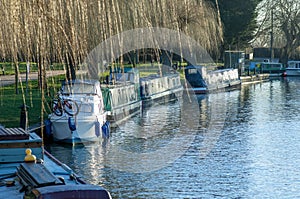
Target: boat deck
x,y
46,177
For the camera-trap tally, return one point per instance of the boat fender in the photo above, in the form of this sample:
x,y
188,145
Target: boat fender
x,y
72,124
105,129
97,128
48,124
284,74
29,157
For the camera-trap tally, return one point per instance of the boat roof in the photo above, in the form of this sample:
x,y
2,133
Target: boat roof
x,y
269,63
293,61
124,70
193,66
81,87
156,76
80,81
13,134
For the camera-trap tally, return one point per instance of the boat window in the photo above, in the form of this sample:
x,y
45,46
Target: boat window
x,y
274,65
192,71
87,108
78,89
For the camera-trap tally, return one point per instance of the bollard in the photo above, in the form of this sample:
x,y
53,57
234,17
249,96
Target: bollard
x,y
23,116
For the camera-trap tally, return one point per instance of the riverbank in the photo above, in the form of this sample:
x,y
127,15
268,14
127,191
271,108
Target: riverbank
x,y
10,79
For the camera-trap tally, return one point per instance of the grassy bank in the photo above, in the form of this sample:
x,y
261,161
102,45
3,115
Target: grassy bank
x,y
9,67
10,102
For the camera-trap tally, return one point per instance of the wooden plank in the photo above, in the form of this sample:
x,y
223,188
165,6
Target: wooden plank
x,y
20,145
13,134
39,174
33,142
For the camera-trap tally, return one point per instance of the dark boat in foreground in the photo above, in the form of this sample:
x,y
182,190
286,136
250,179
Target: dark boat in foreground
x,y
36,173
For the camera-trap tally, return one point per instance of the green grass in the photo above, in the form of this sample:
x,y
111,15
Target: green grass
x,y
9,67
10,102
10,105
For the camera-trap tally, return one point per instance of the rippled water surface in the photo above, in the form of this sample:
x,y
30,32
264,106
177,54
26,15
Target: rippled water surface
x,y
238,144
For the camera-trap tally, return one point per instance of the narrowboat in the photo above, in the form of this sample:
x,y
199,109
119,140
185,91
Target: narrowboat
x,y
293,68
121,95
160,88
273,68
202,81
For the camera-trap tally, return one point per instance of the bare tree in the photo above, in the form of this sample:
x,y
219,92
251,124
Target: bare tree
x,y
66,31
280,19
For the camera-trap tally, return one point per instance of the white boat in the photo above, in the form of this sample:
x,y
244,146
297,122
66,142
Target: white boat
x,y
203,81
293,68
88,123
27,170
160,89
121,95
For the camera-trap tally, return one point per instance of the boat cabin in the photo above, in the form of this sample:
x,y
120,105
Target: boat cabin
x,y
86,93
271,67
194,76
121,94
81,87
293,68
203,81
293,64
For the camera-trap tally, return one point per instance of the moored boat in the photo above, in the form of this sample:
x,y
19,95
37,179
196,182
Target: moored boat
x,y
160,89
202,81
121,94
88,122
29,171
293,68
273,68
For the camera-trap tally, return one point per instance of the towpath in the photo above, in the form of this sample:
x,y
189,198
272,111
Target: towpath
x,y
10,79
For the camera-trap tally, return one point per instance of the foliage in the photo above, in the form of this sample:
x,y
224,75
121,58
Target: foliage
x,y
66,31
282,19
239,20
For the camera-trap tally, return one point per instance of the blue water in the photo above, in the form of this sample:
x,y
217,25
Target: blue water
x,y
238,144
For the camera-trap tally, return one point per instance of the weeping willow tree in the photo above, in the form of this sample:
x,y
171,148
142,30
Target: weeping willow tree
x,y
65,31
59,31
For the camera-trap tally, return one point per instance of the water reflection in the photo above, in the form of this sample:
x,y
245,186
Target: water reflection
x,y
246,146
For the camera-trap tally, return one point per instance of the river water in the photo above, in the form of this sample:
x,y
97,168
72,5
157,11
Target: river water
x,y
238,144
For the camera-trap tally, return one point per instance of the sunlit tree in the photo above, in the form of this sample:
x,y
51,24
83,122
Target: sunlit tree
x,y
279,26
62,31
